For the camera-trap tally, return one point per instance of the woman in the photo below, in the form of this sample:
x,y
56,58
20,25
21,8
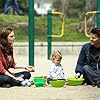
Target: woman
x,y
7,78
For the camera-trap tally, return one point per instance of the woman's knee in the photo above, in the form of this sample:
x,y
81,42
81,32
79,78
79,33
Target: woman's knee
x,y
27,75
6,78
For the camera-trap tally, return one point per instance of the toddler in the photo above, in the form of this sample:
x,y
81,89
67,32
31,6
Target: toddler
x,y
56,70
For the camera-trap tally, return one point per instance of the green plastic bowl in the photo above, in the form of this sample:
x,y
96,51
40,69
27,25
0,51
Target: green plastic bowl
x,y
39,82
57,83
75,81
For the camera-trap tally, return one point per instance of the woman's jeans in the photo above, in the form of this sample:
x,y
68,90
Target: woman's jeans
x,y
91,75
4,79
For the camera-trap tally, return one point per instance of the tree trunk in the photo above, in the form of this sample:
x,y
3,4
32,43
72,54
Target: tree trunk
x,y
65,4
91,18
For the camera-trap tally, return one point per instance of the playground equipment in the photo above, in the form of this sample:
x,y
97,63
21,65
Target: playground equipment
x,y
31,32
97,17
50,36
31,29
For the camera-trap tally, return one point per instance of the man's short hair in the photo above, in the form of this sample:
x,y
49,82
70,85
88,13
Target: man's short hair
x,y
96,31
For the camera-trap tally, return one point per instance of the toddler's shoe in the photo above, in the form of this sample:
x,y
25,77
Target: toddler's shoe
x,y
26,83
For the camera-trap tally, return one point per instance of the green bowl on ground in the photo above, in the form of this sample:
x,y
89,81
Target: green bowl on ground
x,y
39,82
57,83
75,81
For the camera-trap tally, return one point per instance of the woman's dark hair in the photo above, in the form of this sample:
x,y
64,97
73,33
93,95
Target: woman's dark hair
x,y
4,45
96,31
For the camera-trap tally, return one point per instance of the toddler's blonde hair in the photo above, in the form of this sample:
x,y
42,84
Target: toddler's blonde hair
x,y
56,54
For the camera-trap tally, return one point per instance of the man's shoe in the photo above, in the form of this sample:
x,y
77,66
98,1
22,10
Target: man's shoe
x,y
93,85
98,85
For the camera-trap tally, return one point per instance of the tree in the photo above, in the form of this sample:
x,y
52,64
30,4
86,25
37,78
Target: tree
x,y
1,5
57,5
65,5
70,8
76,8
90,5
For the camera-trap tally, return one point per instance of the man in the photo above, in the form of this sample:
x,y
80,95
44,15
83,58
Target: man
x,y
14,4
88,62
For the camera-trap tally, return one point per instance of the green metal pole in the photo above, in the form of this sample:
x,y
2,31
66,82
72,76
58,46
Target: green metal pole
x,y
98,14
31,32
49,33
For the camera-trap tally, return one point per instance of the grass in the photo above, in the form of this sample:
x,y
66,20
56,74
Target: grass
x,y
70,32
17,23
20,26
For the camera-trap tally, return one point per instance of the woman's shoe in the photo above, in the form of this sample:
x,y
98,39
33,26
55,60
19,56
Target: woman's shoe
x,y
6,86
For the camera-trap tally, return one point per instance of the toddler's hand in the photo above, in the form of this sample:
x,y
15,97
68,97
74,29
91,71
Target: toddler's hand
x,y
55,78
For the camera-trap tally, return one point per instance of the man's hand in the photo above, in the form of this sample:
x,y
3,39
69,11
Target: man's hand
x,y
77,75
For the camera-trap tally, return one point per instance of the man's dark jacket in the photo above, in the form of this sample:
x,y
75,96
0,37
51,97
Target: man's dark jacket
x,y
89,55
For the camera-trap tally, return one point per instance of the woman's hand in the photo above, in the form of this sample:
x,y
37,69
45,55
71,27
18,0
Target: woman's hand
x,y
16,78
77,75
30,69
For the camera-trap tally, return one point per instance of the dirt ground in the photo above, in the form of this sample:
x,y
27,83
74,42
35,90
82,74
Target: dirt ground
x,y
50,93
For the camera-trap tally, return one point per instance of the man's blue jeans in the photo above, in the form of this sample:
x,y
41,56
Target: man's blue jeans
x,y
91,75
